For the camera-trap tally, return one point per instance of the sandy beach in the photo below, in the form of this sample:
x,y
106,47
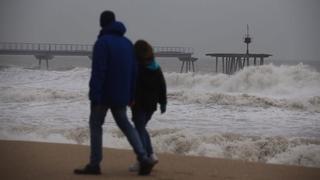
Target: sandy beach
x,y
34,160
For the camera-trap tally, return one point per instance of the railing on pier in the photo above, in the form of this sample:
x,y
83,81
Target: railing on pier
x,y
40,48
184,54
46,51
182,51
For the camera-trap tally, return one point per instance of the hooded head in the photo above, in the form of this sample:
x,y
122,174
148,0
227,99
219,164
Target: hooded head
x,y
106,18
115,28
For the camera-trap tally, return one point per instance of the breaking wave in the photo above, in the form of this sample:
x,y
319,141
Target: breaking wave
x,y
26,85
296,87
25,94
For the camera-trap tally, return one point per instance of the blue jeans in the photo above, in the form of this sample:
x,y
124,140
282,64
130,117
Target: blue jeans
x,y
140,119
97,117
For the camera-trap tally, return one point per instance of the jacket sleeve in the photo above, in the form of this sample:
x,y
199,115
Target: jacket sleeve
x,y
163,89
98,72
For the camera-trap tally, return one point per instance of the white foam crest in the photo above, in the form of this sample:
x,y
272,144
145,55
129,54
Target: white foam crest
x,y
305,155
234,146
73,79
267,80
25,94
295,87
310,104
26,85
277,149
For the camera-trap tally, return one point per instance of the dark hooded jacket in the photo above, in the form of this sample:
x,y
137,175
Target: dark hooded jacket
x,y
113,68
151,87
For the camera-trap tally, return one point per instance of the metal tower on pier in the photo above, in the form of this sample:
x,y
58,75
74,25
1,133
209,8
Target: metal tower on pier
x,y
247,39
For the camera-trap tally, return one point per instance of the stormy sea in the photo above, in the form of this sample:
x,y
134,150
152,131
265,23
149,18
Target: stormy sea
x,y
268,113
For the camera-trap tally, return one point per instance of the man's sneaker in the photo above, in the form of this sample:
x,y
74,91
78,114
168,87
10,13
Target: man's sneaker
x,y
88,170
146,166
134,167
154,158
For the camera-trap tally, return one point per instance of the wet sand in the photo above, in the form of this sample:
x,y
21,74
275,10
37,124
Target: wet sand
x,y
46,161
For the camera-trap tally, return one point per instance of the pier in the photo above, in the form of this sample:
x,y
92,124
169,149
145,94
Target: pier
x,y
47,51
232,62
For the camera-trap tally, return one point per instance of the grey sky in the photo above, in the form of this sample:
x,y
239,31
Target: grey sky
x,y
289,29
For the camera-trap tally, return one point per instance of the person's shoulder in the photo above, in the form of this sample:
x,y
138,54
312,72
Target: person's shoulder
x,y
155,73
160,73
109,38
159,70
127,40
102,40
100,44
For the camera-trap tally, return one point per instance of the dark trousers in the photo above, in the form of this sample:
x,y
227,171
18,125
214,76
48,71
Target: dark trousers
x,y
140,119
97,117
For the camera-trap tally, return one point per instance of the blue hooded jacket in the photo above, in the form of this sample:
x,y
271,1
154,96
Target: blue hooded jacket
x,y
113,68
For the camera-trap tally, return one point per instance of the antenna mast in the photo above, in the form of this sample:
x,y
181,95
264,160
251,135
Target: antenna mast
x,y
247,39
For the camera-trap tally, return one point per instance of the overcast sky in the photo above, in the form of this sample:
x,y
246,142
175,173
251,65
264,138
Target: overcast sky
x,y
288,29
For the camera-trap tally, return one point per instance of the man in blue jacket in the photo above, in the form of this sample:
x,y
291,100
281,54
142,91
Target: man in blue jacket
x,y
112,87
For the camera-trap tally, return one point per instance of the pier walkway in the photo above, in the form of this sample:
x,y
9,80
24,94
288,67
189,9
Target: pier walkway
x,y
47,51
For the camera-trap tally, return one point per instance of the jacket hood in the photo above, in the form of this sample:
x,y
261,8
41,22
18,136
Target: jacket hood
x,y
116,27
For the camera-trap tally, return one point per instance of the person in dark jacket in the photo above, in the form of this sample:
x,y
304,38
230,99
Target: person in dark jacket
x,y
111,87
150,91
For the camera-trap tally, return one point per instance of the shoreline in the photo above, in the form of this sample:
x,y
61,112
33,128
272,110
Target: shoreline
x,y
40,160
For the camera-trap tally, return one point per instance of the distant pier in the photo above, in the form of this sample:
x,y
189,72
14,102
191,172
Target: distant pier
x,y
230,63
47,51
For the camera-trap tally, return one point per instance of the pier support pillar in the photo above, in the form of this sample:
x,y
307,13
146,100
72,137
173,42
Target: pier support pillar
x,y
187,63
244,62
223,64
227,65
182,67
217,64
235,64
261,61
192,61
45,57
